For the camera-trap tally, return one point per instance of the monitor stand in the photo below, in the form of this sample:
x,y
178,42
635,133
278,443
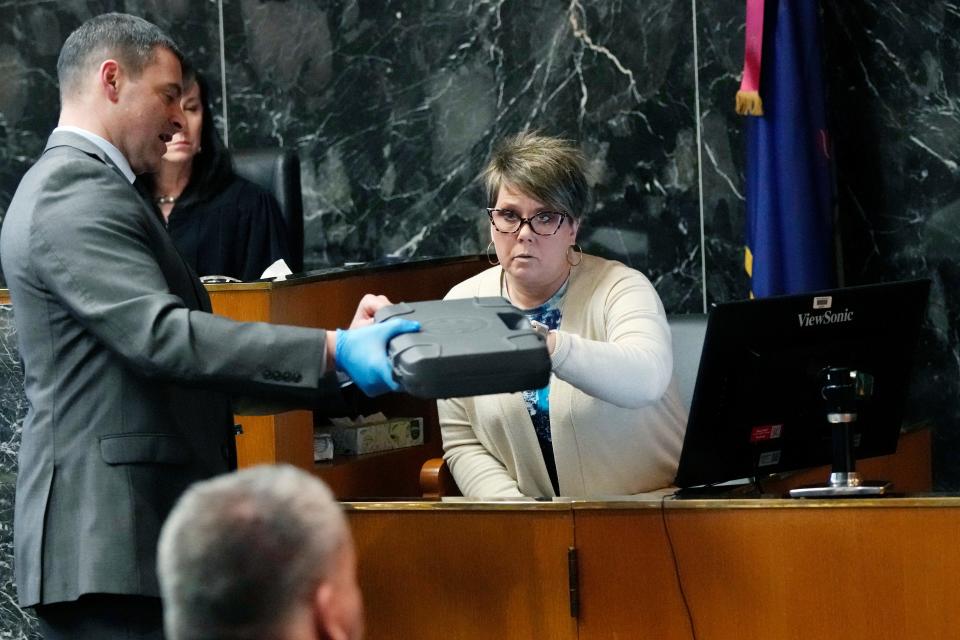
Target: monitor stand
x,y
840,389
860,489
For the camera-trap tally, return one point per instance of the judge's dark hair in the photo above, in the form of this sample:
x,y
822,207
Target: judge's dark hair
x,y
132,41
212,167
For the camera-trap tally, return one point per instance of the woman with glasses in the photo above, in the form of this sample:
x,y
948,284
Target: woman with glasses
x,y
610,422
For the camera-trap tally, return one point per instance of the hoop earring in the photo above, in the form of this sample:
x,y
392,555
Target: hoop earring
x,y
493,260
577,251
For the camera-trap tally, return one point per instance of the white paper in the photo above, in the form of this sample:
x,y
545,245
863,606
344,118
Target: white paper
x,y
277,271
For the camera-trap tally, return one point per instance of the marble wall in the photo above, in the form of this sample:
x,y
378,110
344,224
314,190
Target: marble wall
x,y
894,85
393,106
13,407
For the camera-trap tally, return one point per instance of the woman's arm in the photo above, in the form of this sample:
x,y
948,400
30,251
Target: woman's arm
x,y
632,366
477,472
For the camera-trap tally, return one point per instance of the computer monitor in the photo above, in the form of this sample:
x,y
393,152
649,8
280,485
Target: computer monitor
x,y
757,406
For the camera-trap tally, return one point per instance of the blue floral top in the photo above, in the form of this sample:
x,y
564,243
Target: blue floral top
x,y
538,400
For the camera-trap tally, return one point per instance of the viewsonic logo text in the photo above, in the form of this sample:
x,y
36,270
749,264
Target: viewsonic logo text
x,y
825,318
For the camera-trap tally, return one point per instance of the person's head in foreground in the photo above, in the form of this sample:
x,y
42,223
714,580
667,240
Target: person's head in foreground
x,y
264,553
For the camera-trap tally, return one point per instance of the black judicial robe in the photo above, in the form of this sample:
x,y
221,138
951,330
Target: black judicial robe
x,y
238,233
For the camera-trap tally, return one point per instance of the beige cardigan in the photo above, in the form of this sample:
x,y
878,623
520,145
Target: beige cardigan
x,y
616,418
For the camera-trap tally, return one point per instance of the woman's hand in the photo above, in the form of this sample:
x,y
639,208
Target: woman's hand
x,y
369,305
551,342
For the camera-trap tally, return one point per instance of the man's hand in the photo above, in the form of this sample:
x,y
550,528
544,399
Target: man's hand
x,y
362,354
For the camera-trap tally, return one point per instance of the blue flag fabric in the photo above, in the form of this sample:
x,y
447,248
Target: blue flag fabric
x,y
789,184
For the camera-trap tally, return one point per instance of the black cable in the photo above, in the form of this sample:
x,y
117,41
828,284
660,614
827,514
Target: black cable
x,y
676,566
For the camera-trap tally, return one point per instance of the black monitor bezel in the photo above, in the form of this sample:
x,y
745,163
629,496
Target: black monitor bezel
x,y
718,448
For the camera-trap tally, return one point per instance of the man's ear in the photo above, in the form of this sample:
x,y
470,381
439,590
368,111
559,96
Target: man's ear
x,y
109,79
323,607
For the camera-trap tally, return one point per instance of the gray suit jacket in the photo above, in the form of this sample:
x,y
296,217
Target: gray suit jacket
x,y
129,379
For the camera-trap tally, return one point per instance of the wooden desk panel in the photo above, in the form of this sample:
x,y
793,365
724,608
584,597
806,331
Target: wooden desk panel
x,y
820,572
465,575
627,580
387,474
784,569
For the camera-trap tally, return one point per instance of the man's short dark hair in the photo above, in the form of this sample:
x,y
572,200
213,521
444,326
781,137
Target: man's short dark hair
x,y
239,552
131,40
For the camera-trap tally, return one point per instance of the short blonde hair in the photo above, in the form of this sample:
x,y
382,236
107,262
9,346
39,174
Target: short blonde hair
x,y
551,170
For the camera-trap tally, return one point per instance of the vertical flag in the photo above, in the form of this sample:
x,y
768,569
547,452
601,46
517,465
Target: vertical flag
x,y
789,188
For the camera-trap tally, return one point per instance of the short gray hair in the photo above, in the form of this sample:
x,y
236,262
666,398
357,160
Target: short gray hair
x,y
551,170
131,40
241,551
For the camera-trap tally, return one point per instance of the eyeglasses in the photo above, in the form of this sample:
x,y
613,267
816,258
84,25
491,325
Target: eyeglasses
x,y
545,223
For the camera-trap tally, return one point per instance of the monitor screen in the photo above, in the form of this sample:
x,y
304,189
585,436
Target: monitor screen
x,y
757,407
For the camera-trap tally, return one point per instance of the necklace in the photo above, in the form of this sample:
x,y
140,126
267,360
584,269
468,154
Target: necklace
x,y
165,199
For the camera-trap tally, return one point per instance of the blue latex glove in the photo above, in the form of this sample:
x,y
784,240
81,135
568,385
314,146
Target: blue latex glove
x,y
362,354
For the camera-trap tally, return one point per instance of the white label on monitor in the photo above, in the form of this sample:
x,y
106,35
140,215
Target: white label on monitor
x,y
768,458
822,302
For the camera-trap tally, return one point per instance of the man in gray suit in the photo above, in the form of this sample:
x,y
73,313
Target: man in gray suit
x,y
129,378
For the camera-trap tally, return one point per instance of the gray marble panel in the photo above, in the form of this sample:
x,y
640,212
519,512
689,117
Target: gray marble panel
x,y
894,84
723,140
30,39
14,623
31,34
891,74
395,105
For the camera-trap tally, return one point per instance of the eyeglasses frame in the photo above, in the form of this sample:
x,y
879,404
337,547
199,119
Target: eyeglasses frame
x,y
527,221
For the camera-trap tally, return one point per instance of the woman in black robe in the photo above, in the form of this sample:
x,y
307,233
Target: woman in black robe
x,y
221,223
